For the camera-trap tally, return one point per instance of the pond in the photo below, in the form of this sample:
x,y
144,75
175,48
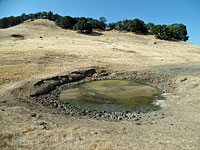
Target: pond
x,y
111,96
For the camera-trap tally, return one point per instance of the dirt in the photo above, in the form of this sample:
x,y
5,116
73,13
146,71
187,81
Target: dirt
x,y
171,66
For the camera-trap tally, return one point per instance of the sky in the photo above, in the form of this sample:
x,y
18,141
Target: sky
x,y
156,11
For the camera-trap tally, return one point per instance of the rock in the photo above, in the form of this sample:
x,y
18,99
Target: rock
x,y
120,118
138,123
33,115
182,80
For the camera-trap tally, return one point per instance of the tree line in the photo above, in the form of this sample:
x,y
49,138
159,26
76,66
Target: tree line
x,y
166,32
87,25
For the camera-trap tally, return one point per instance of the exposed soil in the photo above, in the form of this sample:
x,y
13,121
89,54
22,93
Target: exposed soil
x,y
49,58
18,36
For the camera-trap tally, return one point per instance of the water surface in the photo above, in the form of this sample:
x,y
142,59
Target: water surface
x,y
111,95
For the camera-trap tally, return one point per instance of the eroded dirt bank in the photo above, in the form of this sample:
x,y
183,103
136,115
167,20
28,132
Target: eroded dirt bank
x,y
46,91
33,66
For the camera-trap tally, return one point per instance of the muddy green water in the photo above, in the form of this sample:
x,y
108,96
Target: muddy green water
x,y
111,95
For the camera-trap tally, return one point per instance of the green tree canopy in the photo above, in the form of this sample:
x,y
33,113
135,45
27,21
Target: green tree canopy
x,y
55,16
102,23
66,22
49,15
83,27
4,23
170,32
136,25
149,26
156,30
43,15
112,26
166,32
179,32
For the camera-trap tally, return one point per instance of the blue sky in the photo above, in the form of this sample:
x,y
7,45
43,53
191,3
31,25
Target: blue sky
x,y
157,11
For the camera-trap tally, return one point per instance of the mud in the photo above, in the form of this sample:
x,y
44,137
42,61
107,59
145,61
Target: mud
x,y
46,91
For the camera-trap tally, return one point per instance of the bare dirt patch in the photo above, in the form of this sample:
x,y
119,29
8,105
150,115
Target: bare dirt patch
x,y
18,36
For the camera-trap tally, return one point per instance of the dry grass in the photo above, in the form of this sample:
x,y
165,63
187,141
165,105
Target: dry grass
x,y
63,50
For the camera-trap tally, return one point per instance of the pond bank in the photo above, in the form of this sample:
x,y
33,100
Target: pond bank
x,y
46,91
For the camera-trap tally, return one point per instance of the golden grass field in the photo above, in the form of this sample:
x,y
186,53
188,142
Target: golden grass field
x,y
46,50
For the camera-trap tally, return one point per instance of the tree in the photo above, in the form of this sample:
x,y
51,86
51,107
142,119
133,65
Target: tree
x,y
12,21
66,22
84,19
95,23
49,15
102,23
55,16
4,23
170,32
37,15
156,30
30,16
165,33
136,25
149,26
24,17
43,15
179,32
83,27
119,25
18,20
112,26
125,24
102,19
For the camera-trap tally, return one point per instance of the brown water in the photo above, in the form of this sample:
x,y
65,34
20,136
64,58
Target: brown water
x,y
111,95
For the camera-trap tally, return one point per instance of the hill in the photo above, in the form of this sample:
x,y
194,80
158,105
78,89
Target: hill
x,y
39,49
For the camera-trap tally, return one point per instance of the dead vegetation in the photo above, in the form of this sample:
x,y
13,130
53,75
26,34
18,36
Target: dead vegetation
x,y
66,51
